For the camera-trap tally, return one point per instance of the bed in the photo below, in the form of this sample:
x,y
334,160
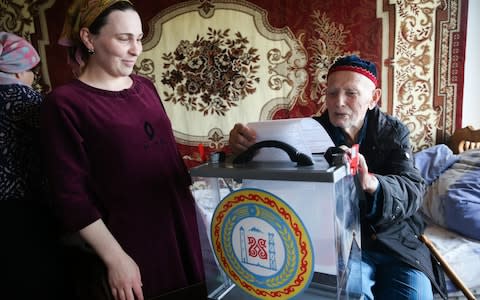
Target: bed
x,y
452,208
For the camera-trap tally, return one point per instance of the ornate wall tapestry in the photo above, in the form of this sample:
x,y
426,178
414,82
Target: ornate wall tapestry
x,y
216,63
425,67
234,67
240,64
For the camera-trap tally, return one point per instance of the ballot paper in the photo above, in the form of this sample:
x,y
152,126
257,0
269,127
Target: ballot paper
x,y
305,134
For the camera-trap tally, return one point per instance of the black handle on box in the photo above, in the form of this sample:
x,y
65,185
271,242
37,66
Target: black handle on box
x,y
300,158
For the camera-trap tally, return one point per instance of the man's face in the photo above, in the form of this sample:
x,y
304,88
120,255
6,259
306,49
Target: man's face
x,y
348,97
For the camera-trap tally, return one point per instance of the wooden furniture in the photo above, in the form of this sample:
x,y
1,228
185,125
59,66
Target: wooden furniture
x,y
465,139
448,269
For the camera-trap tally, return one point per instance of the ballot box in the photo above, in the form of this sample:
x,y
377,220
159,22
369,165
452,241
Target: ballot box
x,y
276,230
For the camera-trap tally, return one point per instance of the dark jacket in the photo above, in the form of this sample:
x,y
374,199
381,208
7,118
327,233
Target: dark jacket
x,y
392,224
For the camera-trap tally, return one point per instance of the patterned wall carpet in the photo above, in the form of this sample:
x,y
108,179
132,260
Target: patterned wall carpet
x,y
216,63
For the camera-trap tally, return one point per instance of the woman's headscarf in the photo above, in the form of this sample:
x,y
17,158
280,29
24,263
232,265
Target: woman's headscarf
x,y
81,13
16,55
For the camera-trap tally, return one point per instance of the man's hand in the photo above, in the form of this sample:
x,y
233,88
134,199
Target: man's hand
x,y
368,181
241,137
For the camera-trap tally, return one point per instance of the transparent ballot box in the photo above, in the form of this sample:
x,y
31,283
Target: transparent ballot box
x,y
275,230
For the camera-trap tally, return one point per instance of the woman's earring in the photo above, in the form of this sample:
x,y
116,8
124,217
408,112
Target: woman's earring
x,y
91,51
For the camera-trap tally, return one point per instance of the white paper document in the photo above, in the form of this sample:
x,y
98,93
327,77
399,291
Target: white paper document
x,y
305,134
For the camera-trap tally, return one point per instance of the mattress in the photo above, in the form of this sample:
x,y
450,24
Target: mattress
x,y
463,256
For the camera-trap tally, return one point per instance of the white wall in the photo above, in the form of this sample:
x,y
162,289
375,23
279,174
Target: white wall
x,y
471,91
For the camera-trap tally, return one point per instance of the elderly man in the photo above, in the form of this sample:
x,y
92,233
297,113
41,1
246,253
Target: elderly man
x,y
395,263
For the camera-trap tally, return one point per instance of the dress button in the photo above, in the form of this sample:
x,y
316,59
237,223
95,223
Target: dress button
x,y
373,236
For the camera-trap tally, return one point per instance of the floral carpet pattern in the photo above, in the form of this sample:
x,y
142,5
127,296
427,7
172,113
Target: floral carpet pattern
x,y
216,63
211,74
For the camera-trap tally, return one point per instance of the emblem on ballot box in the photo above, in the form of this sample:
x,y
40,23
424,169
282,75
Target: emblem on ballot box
x,y
262,244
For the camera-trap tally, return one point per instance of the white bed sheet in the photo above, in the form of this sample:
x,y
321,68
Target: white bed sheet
x,y
462,254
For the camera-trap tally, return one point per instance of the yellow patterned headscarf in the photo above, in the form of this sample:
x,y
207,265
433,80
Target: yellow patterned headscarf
x,y
81,13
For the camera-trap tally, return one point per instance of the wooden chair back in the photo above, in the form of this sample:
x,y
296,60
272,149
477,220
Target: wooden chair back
x,y
465,139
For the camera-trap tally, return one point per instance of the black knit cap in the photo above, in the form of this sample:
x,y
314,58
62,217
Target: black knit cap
x,y
355,64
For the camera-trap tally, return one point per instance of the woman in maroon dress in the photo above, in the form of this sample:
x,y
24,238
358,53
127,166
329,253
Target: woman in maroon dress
x,y
115,171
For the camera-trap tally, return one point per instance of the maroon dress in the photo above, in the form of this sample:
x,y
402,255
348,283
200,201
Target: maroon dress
x,y
112,155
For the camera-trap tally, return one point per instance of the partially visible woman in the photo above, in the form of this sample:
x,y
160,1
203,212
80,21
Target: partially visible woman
x,y
115,171
29,249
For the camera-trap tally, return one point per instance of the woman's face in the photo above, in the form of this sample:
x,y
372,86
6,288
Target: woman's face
x,y
118,44
26,77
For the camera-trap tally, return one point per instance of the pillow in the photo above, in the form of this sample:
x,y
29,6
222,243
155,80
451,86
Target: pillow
x,y
453,200
433,161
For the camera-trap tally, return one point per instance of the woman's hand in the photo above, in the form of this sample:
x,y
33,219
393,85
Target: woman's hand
x,y
241,137
123,273
124,278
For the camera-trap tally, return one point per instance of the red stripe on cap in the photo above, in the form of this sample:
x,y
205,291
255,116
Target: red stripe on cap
x,y
356,69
